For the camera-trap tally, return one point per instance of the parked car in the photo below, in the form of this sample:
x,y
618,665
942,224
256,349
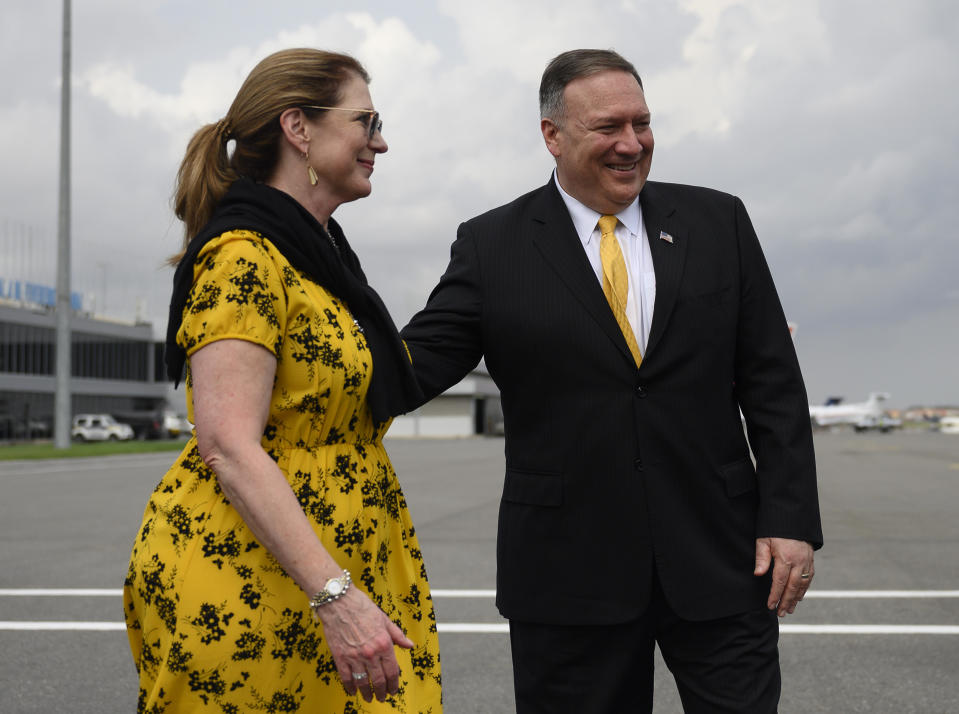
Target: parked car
x,y
883,423
146,424
176,425
99,427
14,428
154,424
36,429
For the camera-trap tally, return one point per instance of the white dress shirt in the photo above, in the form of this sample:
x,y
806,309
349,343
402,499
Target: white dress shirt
x,y
633,241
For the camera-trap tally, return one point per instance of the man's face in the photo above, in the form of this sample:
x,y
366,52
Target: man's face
x,y
604,145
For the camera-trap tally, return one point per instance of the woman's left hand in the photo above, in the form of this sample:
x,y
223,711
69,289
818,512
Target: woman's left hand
x,y
361,638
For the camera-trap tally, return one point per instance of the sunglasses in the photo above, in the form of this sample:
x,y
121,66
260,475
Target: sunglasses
x,y
374,123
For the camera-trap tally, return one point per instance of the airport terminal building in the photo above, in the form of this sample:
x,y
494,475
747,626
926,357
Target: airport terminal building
x,y
116,367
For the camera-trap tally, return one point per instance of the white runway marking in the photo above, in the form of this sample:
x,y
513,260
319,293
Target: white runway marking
x,y
463,593
440,593
881,593
61,626
498,628
494,628
869,629
63,592
823,594
503,628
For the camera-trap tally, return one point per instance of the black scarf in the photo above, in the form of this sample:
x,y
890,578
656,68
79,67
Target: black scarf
x,y
303,242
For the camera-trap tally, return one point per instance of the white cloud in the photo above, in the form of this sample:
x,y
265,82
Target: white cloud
x,y
834,122
734,52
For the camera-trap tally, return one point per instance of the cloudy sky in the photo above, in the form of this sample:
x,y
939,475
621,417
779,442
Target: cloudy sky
x,y
834,120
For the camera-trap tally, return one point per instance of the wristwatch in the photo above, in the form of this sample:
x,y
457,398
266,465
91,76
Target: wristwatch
x,y
334,589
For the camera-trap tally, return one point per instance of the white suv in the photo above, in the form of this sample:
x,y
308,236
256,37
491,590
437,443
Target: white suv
x,y
99,427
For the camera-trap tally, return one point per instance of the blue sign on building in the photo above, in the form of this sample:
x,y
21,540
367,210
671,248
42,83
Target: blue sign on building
x,y
35,294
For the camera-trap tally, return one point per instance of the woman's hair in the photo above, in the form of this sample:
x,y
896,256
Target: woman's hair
x,y
285,79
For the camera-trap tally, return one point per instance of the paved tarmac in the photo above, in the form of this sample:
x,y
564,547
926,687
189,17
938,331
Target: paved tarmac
x,y
891,519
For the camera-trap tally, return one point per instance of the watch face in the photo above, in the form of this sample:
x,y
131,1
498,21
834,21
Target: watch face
x,y
334,587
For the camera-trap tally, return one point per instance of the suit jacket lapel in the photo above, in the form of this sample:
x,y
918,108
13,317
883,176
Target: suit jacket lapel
x,y
556,239
669,258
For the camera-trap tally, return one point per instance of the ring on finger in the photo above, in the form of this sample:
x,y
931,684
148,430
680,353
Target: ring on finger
x,y
805,576
360,675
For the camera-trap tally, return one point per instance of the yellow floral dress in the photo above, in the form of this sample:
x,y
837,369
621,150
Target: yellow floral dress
x,y
214,622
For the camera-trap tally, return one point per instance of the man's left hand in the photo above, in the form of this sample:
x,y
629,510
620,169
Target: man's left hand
x,y
792,571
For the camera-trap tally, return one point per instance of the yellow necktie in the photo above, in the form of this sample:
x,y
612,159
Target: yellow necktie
x,y
616,281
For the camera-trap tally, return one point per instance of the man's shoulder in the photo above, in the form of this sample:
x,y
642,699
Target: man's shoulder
x,y
510,211
684,193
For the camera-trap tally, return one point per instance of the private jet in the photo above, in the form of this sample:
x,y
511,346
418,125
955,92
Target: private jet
x,y
834,412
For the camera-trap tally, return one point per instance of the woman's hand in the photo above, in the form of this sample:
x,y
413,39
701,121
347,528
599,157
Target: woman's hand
x,y
361,638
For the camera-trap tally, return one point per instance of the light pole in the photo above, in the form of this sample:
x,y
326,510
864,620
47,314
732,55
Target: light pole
x,y
61,435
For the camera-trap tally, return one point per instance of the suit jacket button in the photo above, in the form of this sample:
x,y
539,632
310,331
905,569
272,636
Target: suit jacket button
x,y
638,464
641,392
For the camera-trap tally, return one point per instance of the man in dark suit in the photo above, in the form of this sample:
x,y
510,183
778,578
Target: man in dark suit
x,y
626,324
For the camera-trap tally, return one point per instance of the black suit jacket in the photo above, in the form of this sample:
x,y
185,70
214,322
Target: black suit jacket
x,y
610,468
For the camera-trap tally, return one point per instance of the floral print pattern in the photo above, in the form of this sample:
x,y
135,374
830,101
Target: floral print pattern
x,y
214,622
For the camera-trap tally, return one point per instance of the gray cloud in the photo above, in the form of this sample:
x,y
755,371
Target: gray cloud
x,y
833,121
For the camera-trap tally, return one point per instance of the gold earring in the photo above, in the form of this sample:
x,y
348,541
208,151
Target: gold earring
x,y
309,169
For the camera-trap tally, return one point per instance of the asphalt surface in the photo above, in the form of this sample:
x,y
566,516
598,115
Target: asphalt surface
x,y
891,519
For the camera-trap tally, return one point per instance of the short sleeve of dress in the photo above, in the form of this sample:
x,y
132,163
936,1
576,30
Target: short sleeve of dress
x,y
237,294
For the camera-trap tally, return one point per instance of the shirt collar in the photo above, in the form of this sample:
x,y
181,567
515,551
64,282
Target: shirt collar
x,y
585,218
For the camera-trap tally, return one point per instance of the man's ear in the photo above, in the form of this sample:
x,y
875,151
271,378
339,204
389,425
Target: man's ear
x,y
295,129
550,135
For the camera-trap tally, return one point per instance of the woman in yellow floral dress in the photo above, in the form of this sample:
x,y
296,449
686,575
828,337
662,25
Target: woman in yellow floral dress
x,y
277,568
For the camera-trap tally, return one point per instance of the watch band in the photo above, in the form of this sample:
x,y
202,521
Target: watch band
x,y
334,589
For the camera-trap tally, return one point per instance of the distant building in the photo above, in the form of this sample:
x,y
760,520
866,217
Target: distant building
x,y
930,413
468,408
116,367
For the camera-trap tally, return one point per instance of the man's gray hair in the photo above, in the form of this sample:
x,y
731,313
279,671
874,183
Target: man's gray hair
x,y
571,65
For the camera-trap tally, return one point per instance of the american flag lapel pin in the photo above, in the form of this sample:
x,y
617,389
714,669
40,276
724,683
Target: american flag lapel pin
x,y
663,235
